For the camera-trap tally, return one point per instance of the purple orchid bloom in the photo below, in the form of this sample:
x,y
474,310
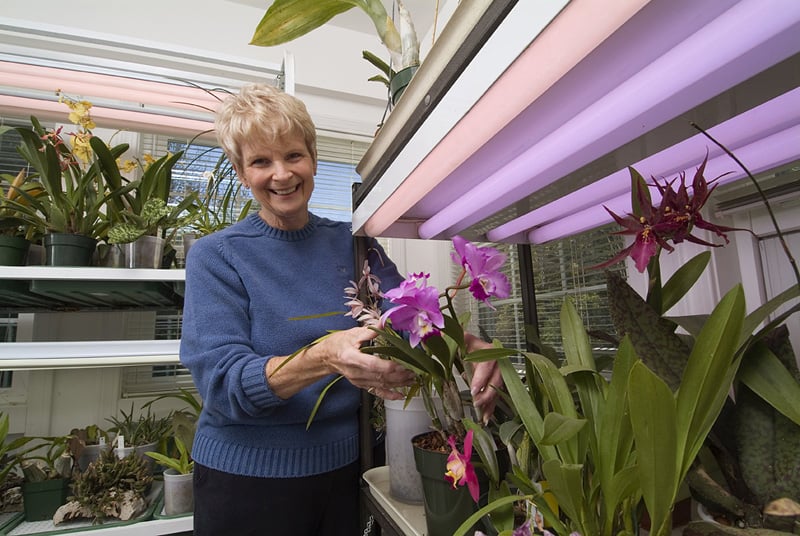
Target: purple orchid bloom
x,y
672,221
417,308
483,265
524,529
459,466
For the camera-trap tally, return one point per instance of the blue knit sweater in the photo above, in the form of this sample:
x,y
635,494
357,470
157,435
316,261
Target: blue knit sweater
x,y
243,287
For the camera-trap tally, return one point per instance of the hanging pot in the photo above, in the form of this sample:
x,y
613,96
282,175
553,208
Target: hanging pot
x,y
399,82
13,250
64,249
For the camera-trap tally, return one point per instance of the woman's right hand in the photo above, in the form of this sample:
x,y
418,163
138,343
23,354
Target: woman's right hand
x,y
339,353
342,354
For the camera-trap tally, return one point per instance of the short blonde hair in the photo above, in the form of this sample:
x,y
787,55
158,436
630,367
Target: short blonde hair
x,y
262,113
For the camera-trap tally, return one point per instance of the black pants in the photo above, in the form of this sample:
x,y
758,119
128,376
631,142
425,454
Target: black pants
x,y
319,505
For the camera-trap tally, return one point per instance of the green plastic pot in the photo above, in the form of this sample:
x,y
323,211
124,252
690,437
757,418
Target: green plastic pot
x,y
445,508
13,250
63,249
41,499
398,83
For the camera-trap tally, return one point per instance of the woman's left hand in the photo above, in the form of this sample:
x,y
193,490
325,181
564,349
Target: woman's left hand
x,y
486,380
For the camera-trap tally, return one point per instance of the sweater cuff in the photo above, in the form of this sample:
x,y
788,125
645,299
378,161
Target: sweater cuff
x,y
255,385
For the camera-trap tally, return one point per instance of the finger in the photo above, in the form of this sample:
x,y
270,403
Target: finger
x,y
389,394
481,374
485,396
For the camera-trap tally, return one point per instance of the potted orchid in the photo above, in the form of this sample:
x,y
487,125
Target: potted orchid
x,y
77,192
424,332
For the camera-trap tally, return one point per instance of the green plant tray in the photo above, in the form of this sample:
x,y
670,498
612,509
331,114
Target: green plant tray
x,y
8,519
17,294
158,513
20,526
107,293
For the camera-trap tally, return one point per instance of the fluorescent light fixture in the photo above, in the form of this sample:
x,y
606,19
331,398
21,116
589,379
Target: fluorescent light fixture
x,y
732,47
115,88
576,30
107,117
761,155
762,121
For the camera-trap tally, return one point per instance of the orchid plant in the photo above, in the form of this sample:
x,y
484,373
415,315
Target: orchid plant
x,y
77,192
609,447
437,347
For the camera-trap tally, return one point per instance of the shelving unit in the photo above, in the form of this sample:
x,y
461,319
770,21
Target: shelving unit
x,y
32,289
53,293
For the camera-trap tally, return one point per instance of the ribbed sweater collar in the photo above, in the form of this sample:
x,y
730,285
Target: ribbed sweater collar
x,y
280,234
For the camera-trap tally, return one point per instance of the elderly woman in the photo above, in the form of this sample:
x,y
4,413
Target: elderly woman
x,y
258,470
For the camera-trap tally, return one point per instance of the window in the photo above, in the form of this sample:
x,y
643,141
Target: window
x,y
10,160
561,269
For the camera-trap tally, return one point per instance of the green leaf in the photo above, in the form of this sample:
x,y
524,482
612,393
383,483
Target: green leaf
x,y
490,354
653,337
286,20
468,523
558,428
397,355
766,376
483,443
683,280
319,401
653,418
379,63
614,454
526,409
565,481
444,352
758,316
413,355
709,374
577,348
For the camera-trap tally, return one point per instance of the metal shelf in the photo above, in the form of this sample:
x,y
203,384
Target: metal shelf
x,y
38,288
65,290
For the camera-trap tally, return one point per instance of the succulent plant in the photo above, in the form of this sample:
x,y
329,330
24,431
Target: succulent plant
x,y
99,490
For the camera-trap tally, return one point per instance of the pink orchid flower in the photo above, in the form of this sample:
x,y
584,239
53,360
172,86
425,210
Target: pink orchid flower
x,y
417,308
483,265
459,467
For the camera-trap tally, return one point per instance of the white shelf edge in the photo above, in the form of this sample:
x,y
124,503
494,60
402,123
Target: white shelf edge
x,y
83,354
91,273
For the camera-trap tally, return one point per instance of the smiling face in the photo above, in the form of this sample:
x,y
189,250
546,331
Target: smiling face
x,y
281,176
